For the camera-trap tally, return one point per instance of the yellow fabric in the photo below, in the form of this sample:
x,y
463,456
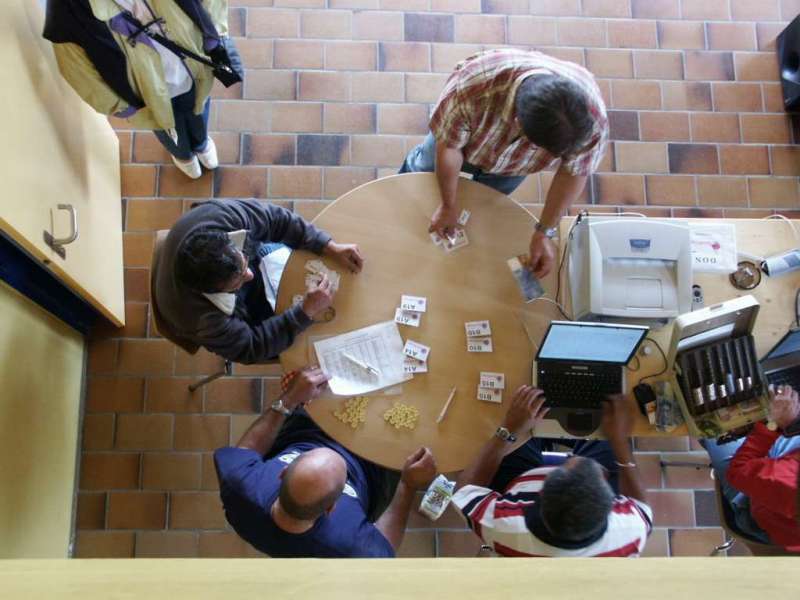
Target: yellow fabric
x,y
144,65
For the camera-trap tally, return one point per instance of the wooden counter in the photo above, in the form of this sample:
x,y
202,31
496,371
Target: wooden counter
x,y
401,579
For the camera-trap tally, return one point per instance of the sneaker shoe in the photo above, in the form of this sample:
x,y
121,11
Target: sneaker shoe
x,y
190,168
208,157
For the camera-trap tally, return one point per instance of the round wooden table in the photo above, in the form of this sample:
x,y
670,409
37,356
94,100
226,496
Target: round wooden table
x,y
389,220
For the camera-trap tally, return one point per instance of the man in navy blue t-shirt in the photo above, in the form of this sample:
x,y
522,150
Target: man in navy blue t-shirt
x,y
291,491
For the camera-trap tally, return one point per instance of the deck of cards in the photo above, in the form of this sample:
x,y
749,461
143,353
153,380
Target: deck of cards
x,y
459,238
491,386
410,310
478,336
416,357
316,269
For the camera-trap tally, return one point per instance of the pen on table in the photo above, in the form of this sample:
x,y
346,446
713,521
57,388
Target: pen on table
x,y
361,363
446,405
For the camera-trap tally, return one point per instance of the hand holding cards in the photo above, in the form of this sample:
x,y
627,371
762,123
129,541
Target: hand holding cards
x,y
529,286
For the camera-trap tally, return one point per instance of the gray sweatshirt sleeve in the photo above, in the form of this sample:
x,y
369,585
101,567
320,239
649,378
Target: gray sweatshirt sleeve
x,y
237,341
271,223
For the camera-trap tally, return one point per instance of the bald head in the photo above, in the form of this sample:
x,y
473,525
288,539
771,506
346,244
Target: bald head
x,y
312,484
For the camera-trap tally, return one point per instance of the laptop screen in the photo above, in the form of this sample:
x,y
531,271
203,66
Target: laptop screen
x,y
790,343
591,342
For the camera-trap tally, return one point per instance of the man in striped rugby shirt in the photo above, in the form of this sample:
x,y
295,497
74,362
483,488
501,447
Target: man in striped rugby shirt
x,y
591,505
504,114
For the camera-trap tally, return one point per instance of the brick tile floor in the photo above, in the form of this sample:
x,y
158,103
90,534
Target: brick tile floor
x,y
336,92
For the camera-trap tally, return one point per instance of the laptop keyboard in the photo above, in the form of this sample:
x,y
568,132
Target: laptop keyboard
x,y
786,377
579,389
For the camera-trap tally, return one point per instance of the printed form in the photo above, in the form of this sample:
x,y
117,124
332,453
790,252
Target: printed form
x,y
364,360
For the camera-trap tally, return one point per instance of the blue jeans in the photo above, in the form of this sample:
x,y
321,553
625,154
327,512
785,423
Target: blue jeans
x,y
721,455
423,159
529,456
192,129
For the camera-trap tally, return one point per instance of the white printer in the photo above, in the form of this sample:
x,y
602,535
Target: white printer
x,y
629,268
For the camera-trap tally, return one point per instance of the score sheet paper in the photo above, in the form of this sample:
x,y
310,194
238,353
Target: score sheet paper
x,y
379,346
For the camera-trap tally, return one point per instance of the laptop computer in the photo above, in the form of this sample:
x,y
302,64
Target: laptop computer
x,y
782,364
579,364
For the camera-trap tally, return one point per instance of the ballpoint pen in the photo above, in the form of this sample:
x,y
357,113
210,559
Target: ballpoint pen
x,y
360,363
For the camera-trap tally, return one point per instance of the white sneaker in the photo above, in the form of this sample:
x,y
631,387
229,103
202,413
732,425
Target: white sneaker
x,y
208,157
190,168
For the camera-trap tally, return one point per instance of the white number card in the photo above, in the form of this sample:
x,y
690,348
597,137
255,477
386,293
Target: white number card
x,y
478,328
479,344
416,350
464,217
412,365
495,381
415,303
490,395
405,317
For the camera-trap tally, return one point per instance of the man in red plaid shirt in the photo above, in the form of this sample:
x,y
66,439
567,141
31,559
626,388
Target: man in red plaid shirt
x,y
504,114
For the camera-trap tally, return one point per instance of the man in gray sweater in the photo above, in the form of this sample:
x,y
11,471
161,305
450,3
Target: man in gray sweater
x,y
207,288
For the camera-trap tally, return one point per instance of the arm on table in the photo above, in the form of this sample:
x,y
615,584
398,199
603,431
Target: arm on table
x,y
448,166
525,411
236,340
260,436
564,190
418,472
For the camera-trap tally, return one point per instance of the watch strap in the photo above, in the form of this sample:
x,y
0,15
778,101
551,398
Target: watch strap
x,y
548,232
504,434
278,407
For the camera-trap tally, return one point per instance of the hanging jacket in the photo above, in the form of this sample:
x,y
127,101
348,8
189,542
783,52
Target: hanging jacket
x,y
90,40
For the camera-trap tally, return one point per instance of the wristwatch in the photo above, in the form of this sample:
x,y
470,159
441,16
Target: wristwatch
x,y
278,406
504,434
548,232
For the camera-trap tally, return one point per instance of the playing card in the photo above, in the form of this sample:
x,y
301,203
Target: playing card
x,y
412,365
416,350
459,240
406,317
529,286
464,217
436,238
479,344
490,395
316,266
495,381
478,328
415,303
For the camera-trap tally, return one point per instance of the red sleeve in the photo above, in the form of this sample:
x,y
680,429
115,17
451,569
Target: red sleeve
x,y
768,481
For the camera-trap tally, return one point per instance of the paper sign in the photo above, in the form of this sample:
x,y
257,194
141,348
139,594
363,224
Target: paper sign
x,y
479,344
416,350
490,395
490,380
415,303
713,247
405,317
478,328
